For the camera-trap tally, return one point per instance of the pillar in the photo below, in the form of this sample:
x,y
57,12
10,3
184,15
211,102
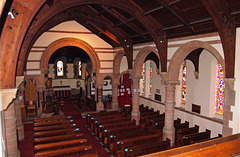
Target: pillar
x,y
135,99
168,129
19,124
100,105
11,131
89,88
115,83
229,100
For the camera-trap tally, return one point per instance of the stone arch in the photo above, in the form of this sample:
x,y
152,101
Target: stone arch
x,y
102,76
70,42
141,56
183,51
117,61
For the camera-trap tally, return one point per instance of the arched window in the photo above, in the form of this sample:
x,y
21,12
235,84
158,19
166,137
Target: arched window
x,y
184,81
150,79
219,90
143,78
78,68
60,68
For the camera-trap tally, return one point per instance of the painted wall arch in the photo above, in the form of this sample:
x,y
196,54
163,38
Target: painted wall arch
x,y
70,42
140,58
183,51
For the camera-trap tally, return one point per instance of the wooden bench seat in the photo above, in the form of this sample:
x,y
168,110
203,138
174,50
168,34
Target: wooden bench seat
x,y
59,145
196,137
123,144
56,132
41,124
74,151
36,120
146,148
54,127
185,131
59,138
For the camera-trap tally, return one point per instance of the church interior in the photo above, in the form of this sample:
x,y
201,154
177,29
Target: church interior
x,y
119,78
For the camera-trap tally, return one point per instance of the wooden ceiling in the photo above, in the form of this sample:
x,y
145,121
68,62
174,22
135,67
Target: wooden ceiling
x,y
178,18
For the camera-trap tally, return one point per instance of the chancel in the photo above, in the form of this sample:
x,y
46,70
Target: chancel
x,y
119,78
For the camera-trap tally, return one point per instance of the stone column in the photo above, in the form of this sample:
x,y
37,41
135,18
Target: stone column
x,y
168,129
135,99
115,83
100,105
18,112
229,100
11,131
88,88
40,90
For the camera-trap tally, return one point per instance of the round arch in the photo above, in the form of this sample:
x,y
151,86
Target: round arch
x,y
141,56
183,51
70,42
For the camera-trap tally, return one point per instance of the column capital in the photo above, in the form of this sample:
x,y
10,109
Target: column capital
x,y
6,97
229,82
136,77
171,84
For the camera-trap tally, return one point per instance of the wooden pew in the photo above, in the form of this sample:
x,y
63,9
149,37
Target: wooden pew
x,y
74,151
94,119
196,137
107,120
185,131
54,127
199,141
114,140
146,148
99,114
123,144
114,126
99,129
110,133
59,145
58,138
55,132
47,119
41,124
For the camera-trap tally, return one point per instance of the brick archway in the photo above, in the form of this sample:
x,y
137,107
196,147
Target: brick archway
x,y
183,51
70,42
141,56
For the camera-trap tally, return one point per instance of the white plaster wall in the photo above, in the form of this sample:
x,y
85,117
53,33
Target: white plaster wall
x,y
123,65
48,37
189,86
216,128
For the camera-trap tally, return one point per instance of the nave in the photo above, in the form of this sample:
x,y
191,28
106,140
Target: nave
x,y
26,146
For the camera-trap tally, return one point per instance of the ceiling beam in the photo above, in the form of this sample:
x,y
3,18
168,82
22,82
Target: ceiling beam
x,y
123,19
148,12
174,12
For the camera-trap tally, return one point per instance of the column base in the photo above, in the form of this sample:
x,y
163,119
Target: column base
x,y
170,134
100,106
115,106
135,115
227,131
20,130
16,154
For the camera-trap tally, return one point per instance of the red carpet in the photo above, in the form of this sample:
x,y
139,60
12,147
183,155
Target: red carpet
x,y
69,109
26,146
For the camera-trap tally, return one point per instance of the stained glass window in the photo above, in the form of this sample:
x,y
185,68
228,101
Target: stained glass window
x,y
79,68
220,90
60,68
184,80
150,79
143,80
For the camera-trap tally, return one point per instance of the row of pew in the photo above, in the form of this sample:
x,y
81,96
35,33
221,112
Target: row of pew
x,y
184,135
60,137
122,136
